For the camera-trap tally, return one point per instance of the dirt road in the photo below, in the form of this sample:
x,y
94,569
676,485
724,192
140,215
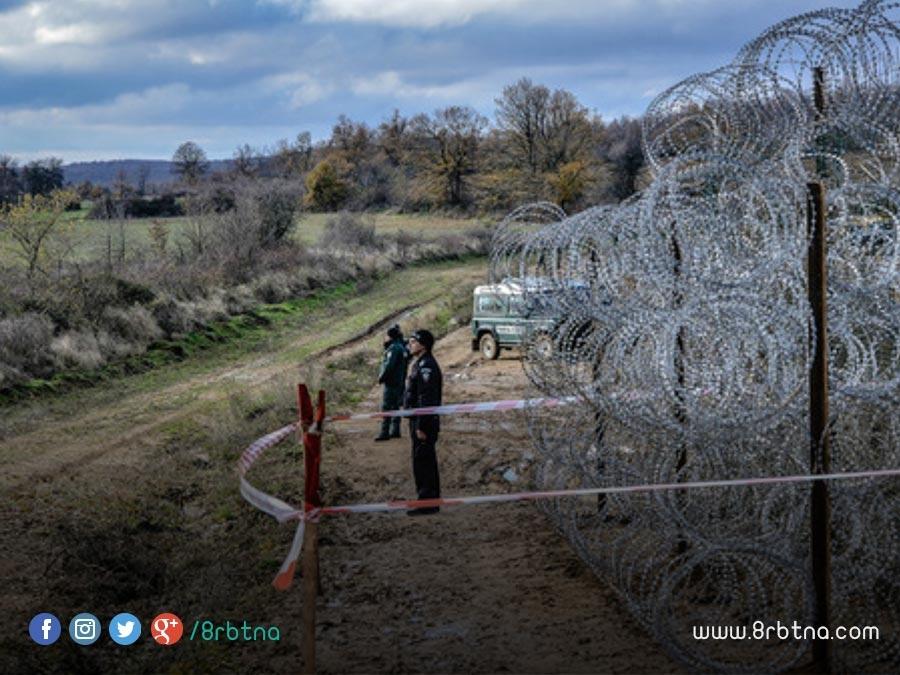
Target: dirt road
x,y
474,589
124,498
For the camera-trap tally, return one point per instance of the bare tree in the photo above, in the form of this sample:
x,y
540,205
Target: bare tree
x,y
522,115
393,138
544,130
30,224
294,159
246,161
352,141
190,162
568,131
448,149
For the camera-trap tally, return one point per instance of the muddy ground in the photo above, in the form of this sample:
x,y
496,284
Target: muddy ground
x,y
124,498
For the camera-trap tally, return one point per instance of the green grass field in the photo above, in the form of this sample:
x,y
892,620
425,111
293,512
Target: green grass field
x,y
89,240
311,225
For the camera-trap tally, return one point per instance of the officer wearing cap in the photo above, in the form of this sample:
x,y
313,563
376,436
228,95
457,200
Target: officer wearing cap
x,y
423,389
392,376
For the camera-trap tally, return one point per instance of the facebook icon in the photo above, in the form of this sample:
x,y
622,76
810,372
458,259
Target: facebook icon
x,y
45,629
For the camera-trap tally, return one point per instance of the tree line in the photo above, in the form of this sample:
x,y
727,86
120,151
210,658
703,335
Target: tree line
x,y
542,144
38,177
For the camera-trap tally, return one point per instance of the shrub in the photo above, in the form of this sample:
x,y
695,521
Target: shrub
x,y
261,221
277,206
77,349
326,190
209,309
134,324
220,198
130,293
172,316
239,299
404,243
348,230
273,287
163,206
25,346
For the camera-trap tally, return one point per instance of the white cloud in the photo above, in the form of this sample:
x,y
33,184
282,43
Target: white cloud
x,y
56,35
298,88
76,34
409,12
438,13
389,83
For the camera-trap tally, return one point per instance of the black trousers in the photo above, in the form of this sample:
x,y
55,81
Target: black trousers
x,y
425,467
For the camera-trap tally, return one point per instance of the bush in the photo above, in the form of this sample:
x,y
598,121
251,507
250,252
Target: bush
x,y
209,309
326,190
77,349
172,316
273,287
25,347
347,230
277,207
130,293
239,299
220,198
134,324
260,222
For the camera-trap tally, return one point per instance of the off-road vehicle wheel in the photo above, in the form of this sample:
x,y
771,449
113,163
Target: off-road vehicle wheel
x,y
488,346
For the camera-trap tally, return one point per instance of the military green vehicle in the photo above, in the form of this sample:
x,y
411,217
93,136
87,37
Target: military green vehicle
x,y
501,318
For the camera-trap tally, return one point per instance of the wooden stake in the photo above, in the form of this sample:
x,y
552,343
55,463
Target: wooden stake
x,y
310,569
820,445
820,442
311,424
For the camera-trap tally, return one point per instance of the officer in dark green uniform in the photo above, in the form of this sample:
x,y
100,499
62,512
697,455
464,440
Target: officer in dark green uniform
x,y
393,377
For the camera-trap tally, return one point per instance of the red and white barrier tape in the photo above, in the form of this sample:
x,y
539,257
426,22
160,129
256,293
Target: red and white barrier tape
x,y
283,512
404,504
460,408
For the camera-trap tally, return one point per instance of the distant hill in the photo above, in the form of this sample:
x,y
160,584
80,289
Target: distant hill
x,y
104,173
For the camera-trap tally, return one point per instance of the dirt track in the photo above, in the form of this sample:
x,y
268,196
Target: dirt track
x,y
474,589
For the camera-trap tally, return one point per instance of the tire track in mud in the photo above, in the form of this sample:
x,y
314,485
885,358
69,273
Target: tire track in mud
x,y
132,435
371,329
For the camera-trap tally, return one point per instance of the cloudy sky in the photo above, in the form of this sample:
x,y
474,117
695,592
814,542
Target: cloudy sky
x,y
104,79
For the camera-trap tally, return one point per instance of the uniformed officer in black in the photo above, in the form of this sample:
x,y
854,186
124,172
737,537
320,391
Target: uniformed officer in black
x,y
423,389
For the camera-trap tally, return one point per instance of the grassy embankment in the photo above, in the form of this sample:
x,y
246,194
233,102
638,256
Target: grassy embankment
x,y
88,239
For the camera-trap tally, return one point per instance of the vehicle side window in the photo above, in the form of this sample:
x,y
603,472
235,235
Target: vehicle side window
x,y
516,306
491,304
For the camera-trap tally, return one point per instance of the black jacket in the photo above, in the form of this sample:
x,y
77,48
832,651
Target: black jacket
x,y
423,389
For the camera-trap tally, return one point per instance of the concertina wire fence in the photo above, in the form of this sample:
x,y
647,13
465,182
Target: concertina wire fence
x,y
686,339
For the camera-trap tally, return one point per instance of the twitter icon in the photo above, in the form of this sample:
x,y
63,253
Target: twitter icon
x,y
125,628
